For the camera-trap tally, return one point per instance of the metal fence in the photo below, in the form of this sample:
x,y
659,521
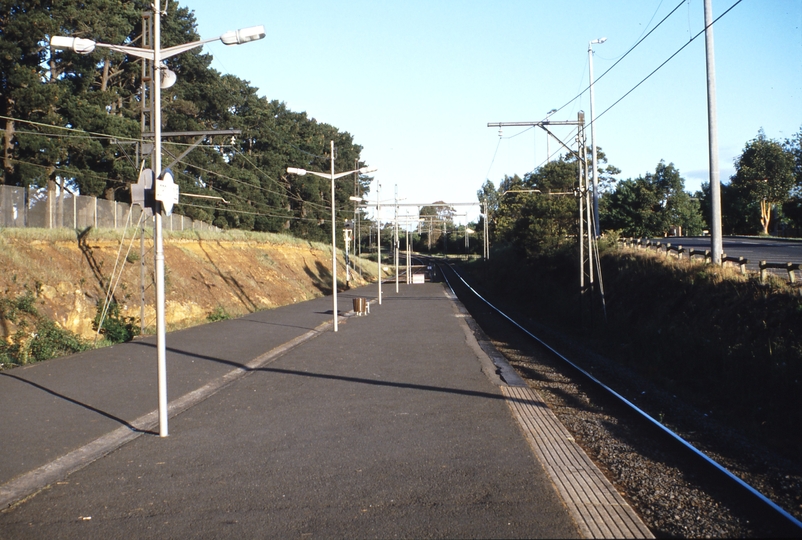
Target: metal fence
x,y
39,208
765,268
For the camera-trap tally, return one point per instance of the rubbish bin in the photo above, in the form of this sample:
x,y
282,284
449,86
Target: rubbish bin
x,y
360,306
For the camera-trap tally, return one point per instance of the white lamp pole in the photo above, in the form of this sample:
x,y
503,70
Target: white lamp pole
x,y
161,326
378,206
332,177
593,140
333,245
395,239
379,238
157,55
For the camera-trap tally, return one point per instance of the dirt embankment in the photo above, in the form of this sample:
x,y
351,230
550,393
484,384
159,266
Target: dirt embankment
x,y
226,274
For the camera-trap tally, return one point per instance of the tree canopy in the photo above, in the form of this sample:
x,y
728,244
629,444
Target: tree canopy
x,y
75,120
537,214
764,176
653,205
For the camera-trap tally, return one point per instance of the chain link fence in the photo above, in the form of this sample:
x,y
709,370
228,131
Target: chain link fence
x,y
40,208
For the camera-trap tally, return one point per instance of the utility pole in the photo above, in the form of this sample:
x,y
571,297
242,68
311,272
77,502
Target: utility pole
x,y
581,172
585,204
146,126
357,231
429,236
486,246
585,218
595,168
716,248
409,261
395,239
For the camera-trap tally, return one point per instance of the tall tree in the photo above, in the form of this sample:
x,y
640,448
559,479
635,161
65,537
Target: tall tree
x,y
654,205
764,173
98,95
97,92
24,27
537,215
792,208
630,209
794,147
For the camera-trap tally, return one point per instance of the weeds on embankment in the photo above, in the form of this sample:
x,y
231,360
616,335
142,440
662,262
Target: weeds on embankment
x,y
725,342
36,337
63,275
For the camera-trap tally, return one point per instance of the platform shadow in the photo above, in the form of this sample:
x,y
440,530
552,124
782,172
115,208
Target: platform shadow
x,y
79,403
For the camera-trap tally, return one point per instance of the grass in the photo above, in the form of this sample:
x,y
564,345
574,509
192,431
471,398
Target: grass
x,y
725,342
69,235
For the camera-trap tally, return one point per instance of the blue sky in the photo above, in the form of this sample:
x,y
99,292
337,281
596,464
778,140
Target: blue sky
x,y
416,82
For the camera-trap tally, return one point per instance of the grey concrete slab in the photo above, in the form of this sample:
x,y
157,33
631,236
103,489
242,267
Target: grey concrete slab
x,y
388,428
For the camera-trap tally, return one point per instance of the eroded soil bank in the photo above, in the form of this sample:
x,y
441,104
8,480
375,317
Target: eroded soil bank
x,y
206,274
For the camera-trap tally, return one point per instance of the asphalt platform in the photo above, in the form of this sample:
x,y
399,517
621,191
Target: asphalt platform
x,y
394,426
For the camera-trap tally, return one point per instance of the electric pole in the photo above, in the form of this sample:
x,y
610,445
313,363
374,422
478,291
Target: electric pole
x,y
716,248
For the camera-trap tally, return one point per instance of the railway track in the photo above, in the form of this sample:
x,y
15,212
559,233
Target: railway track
x,y
754,513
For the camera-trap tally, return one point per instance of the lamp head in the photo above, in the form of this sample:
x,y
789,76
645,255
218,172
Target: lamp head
x,y
366,170
293,170
600,40
244,35
79,45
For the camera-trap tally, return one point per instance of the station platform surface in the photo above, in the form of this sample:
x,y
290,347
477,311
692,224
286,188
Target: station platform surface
x,y
397,425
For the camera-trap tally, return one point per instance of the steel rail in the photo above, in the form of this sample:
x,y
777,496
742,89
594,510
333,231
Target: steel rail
x,y
785,522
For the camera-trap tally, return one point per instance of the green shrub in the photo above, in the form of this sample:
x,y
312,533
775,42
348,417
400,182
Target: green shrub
x,y
37,338
219,314
11,309
116,328
50,341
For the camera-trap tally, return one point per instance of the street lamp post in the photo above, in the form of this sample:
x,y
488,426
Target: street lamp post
x,y
378,206
593,140
157,55
396,243
332,176
379,239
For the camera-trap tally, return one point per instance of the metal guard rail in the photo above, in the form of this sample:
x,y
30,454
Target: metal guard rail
x,y
678,251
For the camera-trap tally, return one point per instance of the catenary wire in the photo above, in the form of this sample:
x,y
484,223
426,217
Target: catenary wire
x,y
666,61
624,55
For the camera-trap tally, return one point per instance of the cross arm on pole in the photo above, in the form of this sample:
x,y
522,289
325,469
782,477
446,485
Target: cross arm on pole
x,y
542,125
580,158
199,140
539,123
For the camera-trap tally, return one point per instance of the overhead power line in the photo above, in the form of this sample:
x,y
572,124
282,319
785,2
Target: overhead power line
x,y
641,40
666,61
649,75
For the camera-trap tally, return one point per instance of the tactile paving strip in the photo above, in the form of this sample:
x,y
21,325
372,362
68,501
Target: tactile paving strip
x,y
599,510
